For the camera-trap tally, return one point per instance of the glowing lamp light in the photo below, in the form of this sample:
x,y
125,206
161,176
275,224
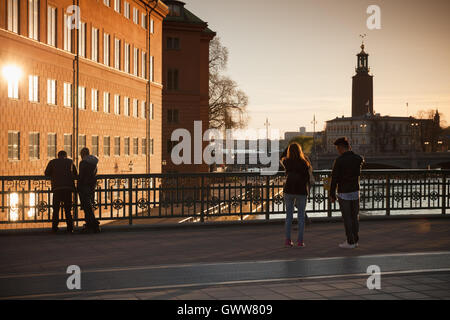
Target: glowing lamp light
x,y
14,206
12,73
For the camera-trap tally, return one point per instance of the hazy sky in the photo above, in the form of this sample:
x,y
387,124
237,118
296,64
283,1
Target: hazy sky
x,y
296,58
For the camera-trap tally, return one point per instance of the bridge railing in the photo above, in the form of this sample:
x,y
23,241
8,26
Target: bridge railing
x,y
205,196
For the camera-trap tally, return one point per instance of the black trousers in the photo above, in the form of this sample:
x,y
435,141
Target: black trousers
x,y
87,201
65,196
350,211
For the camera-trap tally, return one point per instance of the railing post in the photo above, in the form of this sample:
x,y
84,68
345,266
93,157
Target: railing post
x,y
388,196
202,201
130,201
444,192
268,197
329,207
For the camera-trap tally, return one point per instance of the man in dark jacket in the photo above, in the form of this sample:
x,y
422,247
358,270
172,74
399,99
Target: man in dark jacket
x,y
345,176
62,172
87,182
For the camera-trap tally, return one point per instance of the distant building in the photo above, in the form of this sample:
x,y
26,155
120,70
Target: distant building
x,y
186,79
371,133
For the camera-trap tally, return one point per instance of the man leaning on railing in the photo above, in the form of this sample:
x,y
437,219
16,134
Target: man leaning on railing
x,y
62,173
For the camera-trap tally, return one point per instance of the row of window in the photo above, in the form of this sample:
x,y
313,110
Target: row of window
x,y
139,56
130,106
34,145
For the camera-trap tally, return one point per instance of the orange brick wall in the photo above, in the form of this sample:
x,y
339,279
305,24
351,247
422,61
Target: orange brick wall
x,y
37,58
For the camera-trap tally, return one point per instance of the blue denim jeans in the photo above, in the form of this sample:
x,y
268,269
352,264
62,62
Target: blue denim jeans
x,y
290,200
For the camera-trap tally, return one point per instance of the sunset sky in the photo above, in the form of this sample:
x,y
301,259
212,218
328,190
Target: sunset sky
x,y
295,58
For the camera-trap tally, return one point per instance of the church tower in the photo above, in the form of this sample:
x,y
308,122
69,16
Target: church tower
x,y
362,86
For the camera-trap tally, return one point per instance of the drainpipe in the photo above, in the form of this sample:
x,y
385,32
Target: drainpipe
x,y
149,10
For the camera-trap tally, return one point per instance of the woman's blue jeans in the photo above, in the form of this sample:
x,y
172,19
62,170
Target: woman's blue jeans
x,y
291,200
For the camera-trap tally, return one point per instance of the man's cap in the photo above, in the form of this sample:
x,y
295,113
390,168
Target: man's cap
x,y
342,142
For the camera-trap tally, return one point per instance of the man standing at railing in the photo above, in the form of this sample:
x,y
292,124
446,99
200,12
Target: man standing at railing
x,y
345,176
62,173
86,187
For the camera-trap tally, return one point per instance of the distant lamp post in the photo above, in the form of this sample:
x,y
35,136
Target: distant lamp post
x,y
130,166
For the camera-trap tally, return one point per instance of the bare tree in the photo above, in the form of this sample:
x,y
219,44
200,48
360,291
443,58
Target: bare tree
x,y
227,102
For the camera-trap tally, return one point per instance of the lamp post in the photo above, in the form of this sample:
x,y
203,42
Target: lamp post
x,y
363,127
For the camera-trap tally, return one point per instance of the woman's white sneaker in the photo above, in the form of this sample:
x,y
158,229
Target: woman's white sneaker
x,y
346,245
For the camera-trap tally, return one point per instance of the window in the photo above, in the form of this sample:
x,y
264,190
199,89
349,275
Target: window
x,y
152,26
34,146
135,146
174,10
67,94
82,40
126,146
135,61
151,147
144,146
33,19
33,88
13,15
126,10
51,91
106,108
13,87
95,145
143,65
117,6
82,98
94,48
172,116
152,112
136,15
68,144
135,108
51,26
172,79
173,43
67,35
13,145
116,104
170,145
117,54
94,98
152,65
106,3
51,145
117,146
81,142
143,109
144,20
106,146
106,49
127,57
126,106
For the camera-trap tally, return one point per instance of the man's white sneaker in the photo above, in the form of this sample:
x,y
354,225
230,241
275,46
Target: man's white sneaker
x,y
346,245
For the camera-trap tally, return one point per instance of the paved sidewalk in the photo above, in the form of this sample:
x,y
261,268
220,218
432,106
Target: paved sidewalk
x,y
426,286
37,256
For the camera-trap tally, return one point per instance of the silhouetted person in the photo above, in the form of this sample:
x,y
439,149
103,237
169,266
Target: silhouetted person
x,y
345,176
295,190
62,173
87,182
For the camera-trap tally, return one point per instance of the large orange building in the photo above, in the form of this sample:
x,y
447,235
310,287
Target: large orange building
x,y
186,80
117,109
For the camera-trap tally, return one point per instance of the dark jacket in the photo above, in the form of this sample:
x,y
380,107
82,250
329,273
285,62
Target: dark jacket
x,y
62,173
346,173
88,172
297,177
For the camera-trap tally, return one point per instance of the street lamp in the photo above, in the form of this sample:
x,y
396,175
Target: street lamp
x,y
12,72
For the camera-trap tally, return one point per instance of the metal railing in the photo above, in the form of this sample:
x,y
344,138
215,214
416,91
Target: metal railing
x,y
205,196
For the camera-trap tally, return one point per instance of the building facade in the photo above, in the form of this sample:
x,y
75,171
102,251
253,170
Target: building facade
x,y
114,58
185,68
